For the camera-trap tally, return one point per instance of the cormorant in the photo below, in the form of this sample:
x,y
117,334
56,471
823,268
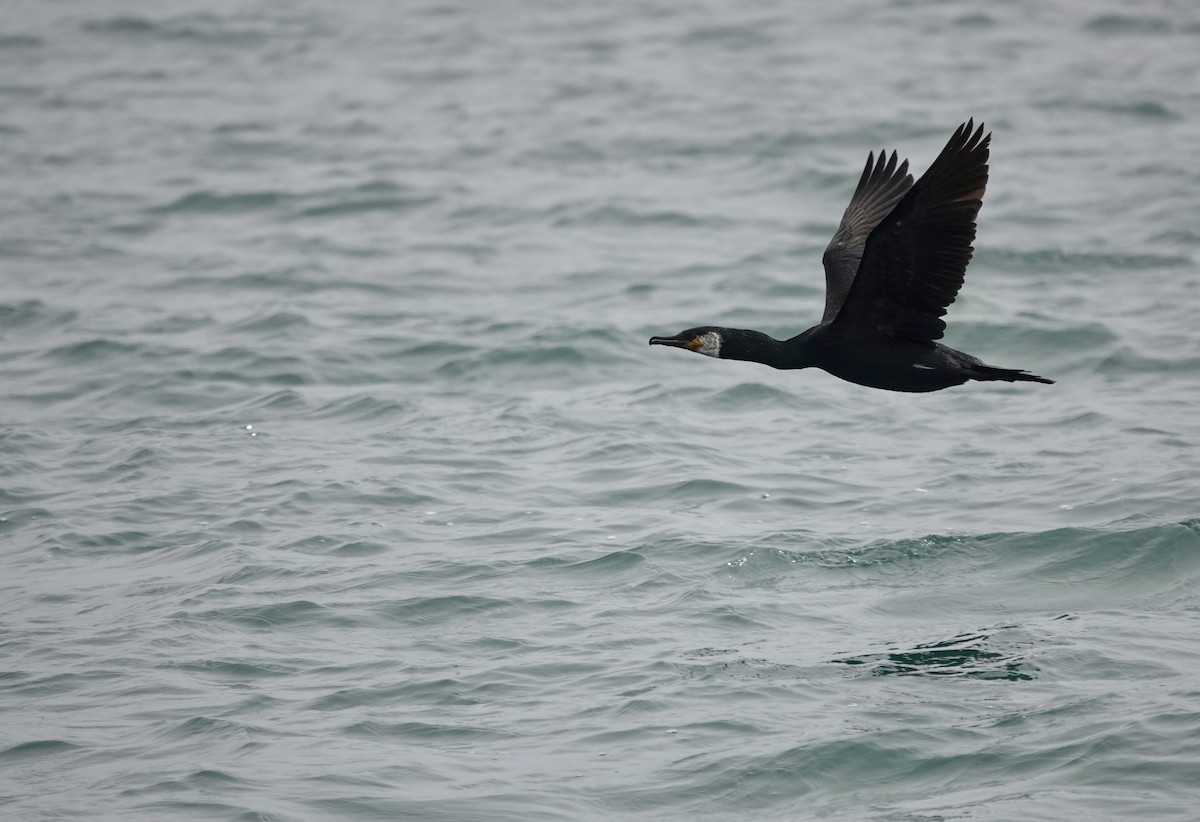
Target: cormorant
x,y
895,263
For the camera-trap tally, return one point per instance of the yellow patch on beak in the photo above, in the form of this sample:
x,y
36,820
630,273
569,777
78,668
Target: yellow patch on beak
x,y
694,344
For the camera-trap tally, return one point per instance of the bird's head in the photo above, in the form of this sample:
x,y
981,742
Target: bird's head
x,y
705,340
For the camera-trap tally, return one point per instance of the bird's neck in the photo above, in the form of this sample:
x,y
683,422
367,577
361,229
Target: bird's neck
x,y
755,346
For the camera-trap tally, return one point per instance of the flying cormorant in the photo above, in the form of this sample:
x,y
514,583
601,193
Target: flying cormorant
x,y
895,263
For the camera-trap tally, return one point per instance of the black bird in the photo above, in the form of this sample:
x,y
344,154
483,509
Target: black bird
x,y
895,263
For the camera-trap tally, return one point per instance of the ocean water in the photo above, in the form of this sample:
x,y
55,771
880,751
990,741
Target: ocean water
x,y
338,480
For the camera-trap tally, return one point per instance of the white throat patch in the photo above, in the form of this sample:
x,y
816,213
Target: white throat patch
x,y
710,344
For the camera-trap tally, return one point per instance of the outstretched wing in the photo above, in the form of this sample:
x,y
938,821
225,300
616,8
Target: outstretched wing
x,y
914,261
879,189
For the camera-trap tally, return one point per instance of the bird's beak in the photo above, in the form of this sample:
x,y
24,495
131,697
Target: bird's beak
x,y
675,342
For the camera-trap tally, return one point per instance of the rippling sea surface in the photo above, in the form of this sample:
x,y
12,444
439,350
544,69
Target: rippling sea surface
x,y
337,480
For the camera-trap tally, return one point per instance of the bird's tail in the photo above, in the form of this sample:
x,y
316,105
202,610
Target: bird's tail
x,y
988,372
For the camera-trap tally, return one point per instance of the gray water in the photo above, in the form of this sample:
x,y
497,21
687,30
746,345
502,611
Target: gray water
x,y
339,482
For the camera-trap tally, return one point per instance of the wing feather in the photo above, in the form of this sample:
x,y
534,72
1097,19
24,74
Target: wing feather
x,y
915,259
880,187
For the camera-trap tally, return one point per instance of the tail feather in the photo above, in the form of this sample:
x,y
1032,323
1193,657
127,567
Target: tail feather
x,y
988,372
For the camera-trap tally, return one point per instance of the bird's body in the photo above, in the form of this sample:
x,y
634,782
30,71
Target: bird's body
x,y
895,263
